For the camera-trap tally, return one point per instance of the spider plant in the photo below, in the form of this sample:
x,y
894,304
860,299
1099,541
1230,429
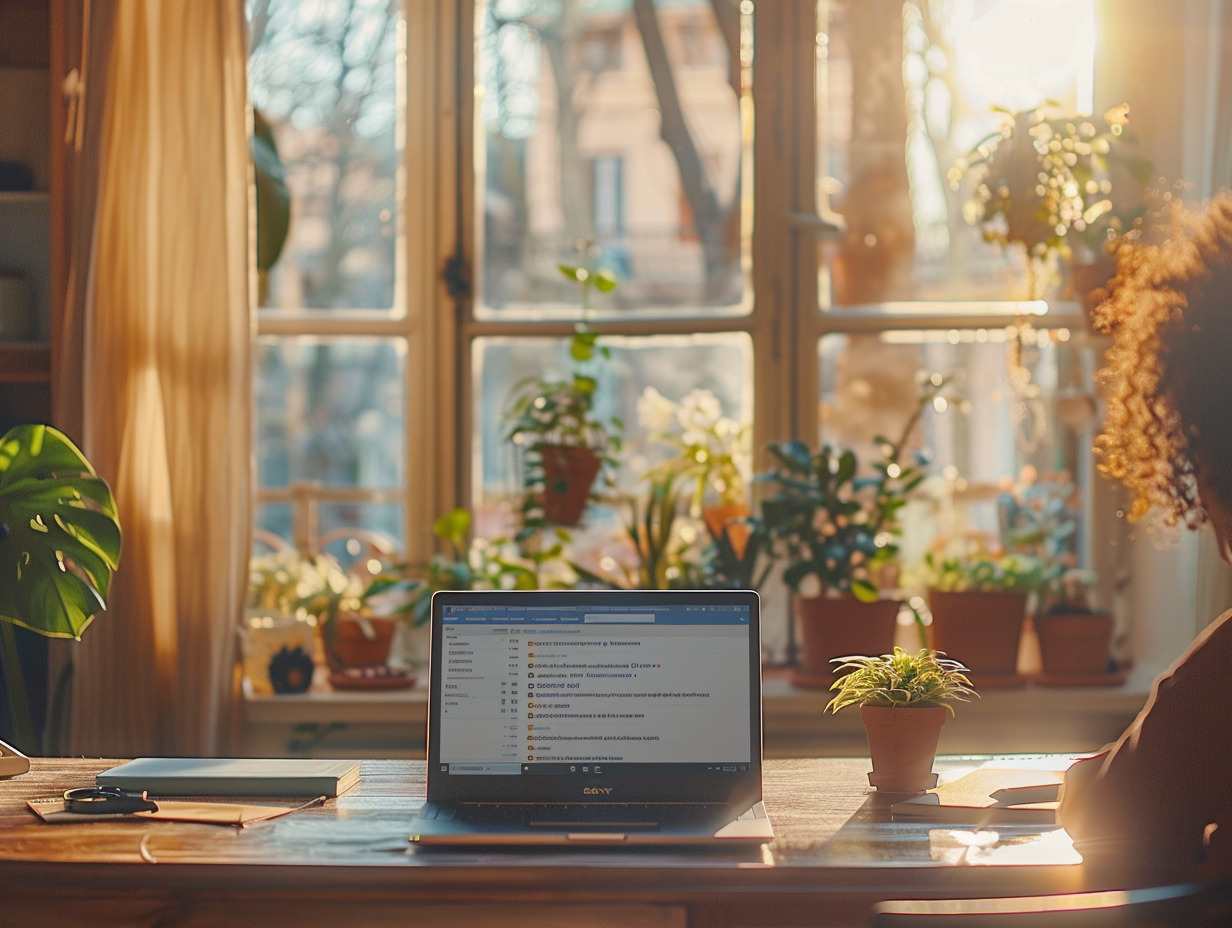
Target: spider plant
x,y
926,678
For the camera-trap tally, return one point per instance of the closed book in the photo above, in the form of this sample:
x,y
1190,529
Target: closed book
x,y
229,776
988,796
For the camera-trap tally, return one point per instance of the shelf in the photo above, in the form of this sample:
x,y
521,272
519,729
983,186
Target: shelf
x,y
24,199
25,363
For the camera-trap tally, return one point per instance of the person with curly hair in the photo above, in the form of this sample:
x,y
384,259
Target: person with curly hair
x,y
1159,800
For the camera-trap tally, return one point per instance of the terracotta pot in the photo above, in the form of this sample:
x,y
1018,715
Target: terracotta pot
x,y
346,644
829,627
902,743
1074,643
568,473
980,629
720,514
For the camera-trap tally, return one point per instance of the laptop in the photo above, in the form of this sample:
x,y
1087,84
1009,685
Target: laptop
x,y
598,717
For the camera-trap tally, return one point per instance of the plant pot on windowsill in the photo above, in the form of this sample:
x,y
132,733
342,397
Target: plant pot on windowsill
x,y
352,640
982,629
569,471
836,626
1075,648
732,517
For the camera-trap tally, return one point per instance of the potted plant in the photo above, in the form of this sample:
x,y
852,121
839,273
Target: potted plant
x,y
835,532
351,635
710,453
565,444
59,544
1040,520
1041,179
401,592
275,621
978,600
1075,639
904,700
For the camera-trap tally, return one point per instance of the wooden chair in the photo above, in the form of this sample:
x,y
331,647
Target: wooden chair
x,y
1190,905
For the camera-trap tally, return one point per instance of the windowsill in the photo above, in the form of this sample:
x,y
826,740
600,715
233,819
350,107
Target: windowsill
x,y
391,723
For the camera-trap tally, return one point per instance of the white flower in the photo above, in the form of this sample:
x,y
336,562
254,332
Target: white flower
x,y
655,412
699,409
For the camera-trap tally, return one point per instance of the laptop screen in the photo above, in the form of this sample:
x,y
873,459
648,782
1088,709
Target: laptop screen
x,y
535,694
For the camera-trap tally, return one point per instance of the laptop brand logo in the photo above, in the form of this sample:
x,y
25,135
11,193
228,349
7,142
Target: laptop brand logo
x,y
596,790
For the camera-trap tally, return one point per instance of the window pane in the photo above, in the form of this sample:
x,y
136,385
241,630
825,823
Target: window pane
x,y
357,532
323,76
331,411
577,99
922,78
672,365
1014,413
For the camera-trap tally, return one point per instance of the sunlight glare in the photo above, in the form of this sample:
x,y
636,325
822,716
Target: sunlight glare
x,y
1017,54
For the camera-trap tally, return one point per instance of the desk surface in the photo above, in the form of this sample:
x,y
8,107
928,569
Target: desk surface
x,y
835,852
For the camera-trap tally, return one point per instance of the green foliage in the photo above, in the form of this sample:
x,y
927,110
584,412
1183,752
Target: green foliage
x,y
986,573
1041,179
59,534
727,565
469,565
829,522
560,410
926,678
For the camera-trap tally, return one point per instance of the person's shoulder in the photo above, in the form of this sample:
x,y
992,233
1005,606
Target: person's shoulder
x,y
1207,656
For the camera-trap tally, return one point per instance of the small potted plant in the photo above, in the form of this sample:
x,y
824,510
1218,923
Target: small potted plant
x,y
565,443
978,600
904,700
835,532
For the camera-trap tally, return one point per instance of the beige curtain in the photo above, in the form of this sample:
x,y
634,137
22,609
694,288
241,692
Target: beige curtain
x,y
166,353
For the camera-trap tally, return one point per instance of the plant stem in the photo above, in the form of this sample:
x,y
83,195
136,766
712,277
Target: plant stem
x,y
19,713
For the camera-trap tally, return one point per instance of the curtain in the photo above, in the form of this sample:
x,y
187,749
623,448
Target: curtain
x,y
165,333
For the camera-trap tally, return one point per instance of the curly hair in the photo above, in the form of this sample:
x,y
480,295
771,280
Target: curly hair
x,y
1168,374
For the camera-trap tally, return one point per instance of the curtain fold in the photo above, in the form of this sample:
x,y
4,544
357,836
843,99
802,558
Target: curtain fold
x,y
167,335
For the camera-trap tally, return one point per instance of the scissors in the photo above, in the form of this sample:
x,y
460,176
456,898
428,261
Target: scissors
x,y
107,800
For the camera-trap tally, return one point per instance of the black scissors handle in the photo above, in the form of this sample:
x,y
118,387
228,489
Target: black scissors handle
x,y
107,800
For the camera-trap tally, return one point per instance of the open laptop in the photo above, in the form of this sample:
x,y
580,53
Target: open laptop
x,y
597,717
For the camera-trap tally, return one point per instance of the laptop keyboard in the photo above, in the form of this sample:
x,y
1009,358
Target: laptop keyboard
x,y
565,815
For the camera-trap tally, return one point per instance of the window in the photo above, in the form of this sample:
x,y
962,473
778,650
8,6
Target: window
x,y
768,181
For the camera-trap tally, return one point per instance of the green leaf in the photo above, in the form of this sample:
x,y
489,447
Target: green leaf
x,y
63,534
453,527
864,591
604,281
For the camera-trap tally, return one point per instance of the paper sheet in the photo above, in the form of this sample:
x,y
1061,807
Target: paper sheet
x,y
54,812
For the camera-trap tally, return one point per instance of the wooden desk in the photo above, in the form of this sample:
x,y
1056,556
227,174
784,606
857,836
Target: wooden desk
x,y
349,864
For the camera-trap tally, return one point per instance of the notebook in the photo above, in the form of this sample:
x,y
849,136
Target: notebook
x,y
988,796
600,717
234,776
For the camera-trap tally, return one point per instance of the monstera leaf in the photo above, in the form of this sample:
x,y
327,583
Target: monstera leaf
x,y
59,534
